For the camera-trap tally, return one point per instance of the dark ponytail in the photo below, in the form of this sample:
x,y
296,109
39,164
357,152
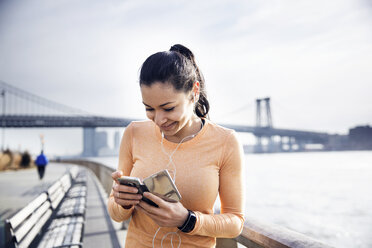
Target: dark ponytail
x,y
202,106
179,68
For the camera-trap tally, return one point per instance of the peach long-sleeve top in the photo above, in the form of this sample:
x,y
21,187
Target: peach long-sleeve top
x,y
209,164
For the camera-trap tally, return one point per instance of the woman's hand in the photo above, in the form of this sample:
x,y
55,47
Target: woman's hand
x,y
168,214
126,196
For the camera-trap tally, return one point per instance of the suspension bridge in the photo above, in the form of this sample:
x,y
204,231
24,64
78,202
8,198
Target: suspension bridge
x,y
22,109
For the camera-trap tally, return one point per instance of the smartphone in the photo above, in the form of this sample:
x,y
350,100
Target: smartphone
x,y
132,182
136,182
160,184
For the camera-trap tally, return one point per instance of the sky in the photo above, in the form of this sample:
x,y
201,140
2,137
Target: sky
x,y
312,58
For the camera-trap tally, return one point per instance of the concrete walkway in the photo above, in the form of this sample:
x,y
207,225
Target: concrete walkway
x,y
99,229
18,188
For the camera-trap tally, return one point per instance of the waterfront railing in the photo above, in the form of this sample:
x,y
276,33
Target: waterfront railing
x,y
255,234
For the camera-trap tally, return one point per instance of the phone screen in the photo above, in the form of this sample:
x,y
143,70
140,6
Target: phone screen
x,y
162,185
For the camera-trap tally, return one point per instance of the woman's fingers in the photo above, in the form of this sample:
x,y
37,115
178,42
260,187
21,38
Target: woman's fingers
x,y
125,198
115,175
170,214
126,203
128,196
124,188
159,216
151,210
124,195
157,200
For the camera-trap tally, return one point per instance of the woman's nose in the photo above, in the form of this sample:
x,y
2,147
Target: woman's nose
x,y
159,118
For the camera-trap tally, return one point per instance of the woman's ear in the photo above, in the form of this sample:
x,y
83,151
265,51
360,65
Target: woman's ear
x,y
196,90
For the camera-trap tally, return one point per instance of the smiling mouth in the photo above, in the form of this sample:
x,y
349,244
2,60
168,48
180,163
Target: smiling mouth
x,y
168,127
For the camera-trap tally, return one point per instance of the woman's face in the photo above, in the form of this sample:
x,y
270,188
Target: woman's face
x,y
171,110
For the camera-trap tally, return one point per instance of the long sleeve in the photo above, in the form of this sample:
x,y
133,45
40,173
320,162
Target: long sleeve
x,y
230,222
206,166
117,212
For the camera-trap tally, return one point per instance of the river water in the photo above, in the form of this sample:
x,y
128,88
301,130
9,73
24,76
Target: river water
x,y
325,195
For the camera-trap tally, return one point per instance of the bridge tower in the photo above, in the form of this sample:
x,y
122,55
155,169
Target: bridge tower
x,y
259,119
263,120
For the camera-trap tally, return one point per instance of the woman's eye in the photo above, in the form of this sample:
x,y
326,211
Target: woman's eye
x,y
148,109
169,109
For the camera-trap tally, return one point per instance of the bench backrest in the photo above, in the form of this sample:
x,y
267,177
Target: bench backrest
x,y
24,226
55,193
58,190
74,171
66,182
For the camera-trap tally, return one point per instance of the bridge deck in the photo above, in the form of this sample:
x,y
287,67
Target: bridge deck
x,y
30,121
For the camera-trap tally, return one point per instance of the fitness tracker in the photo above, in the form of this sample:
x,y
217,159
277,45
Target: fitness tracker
x,y
189,224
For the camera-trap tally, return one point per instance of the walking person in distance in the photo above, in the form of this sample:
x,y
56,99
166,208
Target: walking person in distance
x,y
41,162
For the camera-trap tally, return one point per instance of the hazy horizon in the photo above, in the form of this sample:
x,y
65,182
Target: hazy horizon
x,y
312,58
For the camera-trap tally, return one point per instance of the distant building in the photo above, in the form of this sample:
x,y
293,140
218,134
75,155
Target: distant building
x,y
338,142
107,151
360,138
93,142
88,142
117,140
100,141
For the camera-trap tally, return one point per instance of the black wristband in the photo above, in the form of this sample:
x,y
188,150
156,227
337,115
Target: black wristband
x,y
190,222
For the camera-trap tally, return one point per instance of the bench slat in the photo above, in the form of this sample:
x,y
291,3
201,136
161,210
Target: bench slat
x,y
35,231
54,187
26,211
59,241
58,191
57,200
63,232
74,172
66,182
34,218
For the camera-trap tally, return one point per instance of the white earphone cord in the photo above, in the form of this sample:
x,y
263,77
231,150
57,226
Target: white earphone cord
x,y
178,145
172,233
174,180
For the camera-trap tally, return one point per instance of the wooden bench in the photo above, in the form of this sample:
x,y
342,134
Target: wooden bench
x,y
53,219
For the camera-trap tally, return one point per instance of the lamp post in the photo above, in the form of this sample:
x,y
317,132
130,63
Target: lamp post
x,y
3,120
42,141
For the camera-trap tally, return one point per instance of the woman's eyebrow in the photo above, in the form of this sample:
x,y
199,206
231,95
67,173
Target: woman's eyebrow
x,y
162,105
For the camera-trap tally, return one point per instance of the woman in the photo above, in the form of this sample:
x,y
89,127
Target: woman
x,y
204,159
